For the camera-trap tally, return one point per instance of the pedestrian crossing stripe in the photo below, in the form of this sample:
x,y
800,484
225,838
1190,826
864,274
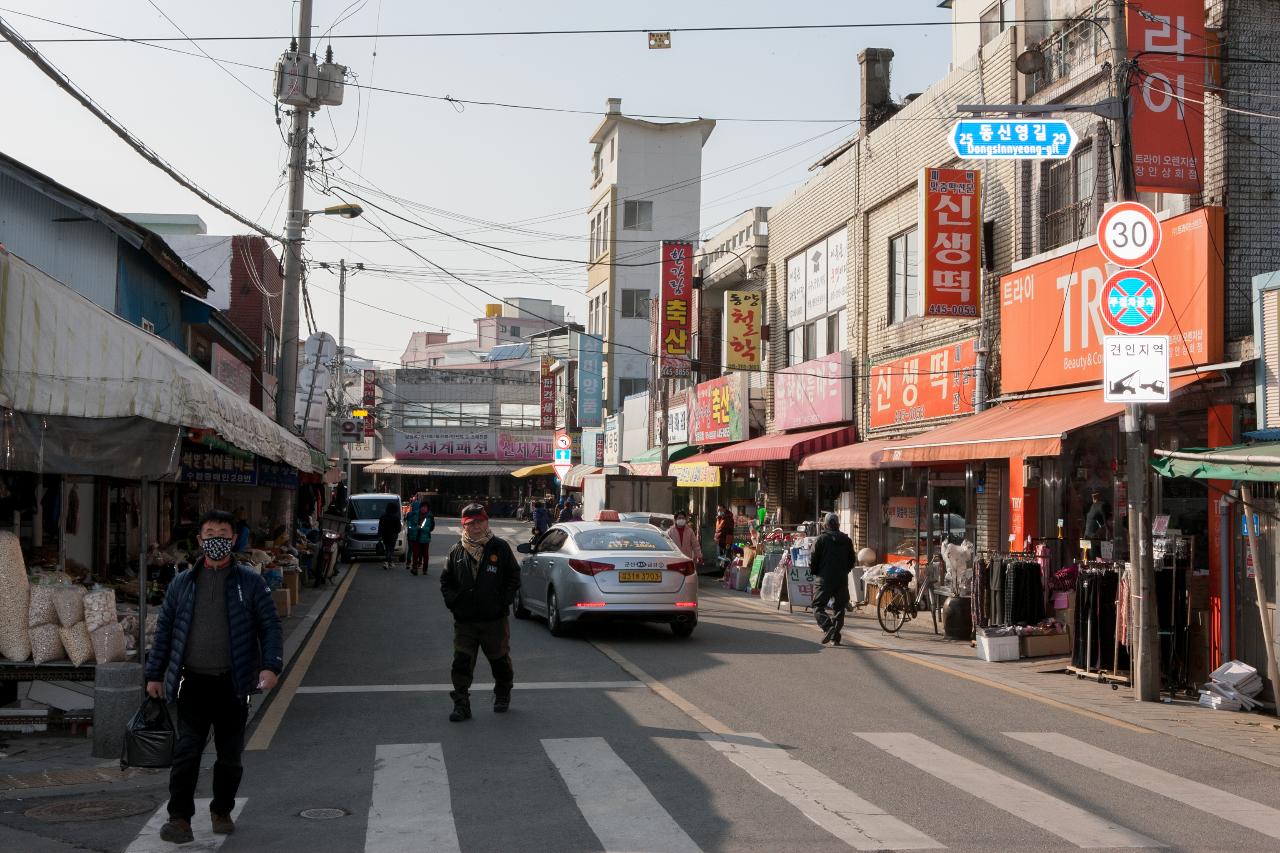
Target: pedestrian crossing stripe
x,y
149,840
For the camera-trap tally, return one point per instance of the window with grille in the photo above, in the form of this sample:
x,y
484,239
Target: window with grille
x,y
1067,199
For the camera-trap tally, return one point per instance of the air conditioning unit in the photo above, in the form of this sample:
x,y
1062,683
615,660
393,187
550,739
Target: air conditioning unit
x,y
330,83
296,79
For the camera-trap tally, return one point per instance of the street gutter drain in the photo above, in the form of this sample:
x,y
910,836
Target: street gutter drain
x,y
84,810
322,814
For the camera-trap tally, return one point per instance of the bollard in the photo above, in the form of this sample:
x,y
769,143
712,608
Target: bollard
x,y
117,693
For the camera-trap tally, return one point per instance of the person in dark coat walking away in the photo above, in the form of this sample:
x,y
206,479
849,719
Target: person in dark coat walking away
x,y
724,532
217,641
389,532
830,564
541,518
566,512
479,582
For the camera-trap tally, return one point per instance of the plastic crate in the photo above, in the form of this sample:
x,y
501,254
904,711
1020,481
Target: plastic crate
x,y
998,648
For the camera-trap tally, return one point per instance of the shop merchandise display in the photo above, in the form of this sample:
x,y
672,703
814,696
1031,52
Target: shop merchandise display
x,y
1100,641
41,610
15,590
77,643
108,643
46,644
68,600
100,608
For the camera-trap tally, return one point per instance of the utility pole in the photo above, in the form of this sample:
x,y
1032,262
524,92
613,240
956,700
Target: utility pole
x,y
1146,663
344,452
299,124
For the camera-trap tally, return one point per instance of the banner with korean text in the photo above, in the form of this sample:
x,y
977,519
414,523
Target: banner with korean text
x,y
370,401
547,395
674,308
719,410
951,242
590,381
743,312
1167,93
936,383
814,393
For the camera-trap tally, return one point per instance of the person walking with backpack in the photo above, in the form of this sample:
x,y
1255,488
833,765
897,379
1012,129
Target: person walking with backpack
x,y
217,641
830,564
389,531
479,581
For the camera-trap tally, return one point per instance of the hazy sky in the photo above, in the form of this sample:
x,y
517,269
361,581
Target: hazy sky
x,y
458,165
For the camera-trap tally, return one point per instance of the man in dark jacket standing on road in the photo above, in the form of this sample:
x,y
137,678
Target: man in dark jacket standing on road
x,y
830,565
479,582
217,641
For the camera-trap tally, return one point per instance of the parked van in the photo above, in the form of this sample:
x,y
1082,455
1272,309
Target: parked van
x,y
361,539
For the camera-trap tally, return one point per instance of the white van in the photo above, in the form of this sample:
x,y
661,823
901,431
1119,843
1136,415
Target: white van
x,y
361,539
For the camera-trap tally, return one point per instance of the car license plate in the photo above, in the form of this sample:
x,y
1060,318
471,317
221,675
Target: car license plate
x,y
640,577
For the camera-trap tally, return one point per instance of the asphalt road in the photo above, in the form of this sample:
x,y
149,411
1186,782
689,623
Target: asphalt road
x,y
748,736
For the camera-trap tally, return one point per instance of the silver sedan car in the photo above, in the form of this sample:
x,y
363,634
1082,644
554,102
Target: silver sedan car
x,y
607,570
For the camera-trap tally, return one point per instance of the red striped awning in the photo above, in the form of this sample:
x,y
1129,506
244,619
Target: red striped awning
x,y
791,446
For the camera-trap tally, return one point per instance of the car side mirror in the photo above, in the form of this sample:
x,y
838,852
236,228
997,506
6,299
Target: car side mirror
x,y
524,548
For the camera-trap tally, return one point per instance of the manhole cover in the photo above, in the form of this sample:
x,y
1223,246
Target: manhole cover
x,y
322,814
81,810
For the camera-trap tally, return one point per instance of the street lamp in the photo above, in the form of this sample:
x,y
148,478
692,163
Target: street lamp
x,y
346,210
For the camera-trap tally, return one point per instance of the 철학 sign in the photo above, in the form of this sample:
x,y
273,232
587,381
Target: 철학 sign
x,y
951,241
936,383
814,393
1051,320
742,317
1168,94
719,411
674,307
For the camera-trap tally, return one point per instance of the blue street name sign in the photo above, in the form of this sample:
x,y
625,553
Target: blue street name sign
x,y
1013,139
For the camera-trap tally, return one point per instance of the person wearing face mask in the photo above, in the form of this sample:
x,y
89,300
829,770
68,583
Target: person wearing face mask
x,y
724,532
479,581
217,641
686,538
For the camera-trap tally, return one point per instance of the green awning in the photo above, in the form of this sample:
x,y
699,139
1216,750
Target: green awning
x,y
654,454
1256,462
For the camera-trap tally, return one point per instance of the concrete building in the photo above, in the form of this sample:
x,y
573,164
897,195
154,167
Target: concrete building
x,y
645,187
511,322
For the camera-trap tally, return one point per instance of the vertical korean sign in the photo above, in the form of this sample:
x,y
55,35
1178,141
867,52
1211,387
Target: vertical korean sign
x,y
370,401
547,395
590,381
742,313
677,284
951,245
1166,88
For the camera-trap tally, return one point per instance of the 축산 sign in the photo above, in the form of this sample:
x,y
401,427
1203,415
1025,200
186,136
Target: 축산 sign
x,y
1013,139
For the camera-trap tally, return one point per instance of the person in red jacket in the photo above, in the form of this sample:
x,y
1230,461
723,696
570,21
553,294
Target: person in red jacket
x,y
724,531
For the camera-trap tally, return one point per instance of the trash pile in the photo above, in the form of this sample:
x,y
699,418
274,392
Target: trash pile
x,y
1232,687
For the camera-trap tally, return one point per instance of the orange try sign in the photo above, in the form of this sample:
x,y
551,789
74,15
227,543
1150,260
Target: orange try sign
x,y
1052,320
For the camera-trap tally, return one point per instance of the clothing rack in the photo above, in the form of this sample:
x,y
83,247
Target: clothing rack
x,y
992,603
1101,610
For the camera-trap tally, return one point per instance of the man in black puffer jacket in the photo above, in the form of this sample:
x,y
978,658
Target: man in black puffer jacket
x,y
479,582
218,636
830,565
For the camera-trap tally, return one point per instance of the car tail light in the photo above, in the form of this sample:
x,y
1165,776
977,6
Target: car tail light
x,y
686,604
590,567
684,567
590,604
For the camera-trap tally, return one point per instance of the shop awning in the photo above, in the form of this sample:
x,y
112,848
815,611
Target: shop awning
x,y
649,463
573,479
534,470
65,356
788,445
1255,462
1030,427
449,469
862,456
378,466
695,472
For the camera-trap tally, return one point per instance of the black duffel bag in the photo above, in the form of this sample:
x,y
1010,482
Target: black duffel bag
x,y
150,736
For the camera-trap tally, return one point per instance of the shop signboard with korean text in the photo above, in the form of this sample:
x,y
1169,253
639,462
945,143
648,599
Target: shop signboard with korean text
x,y
590,380
937,383
1167,44
612,440
719,413
443,445
951,242
205,465
370,401
743,314
815,280
675,307
838,270
275,475
903,513
677,421
814,393
593,446
1135,368
524,447
795,291
1052,320
546,394
1013,139
695,475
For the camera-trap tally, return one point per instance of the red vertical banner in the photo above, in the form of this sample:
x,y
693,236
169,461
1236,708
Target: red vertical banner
x,y
674,308
951,242
370,401
547,395
1166,94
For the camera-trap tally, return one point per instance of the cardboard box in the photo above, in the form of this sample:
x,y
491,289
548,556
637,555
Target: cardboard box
x,y
281,598
293,583
1047,645
994,649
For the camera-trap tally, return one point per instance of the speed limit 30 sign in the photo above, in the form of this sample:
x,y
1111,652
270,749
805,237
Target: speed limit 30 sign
x,y
1129,234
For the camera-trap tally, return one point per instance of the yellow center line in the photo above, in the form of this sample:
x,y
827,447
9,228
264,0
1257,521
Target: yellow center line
x,y
913,658
274,715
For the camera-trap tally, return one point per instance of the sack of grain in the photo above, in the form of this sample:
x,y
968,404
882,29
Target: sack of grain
x,y
69,601
15,591
46,645
108,643
100,608
41,610
77,643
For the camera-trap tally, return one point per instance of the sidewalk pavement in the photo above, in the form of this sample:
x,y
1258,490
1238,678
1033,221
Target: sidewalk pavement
x,y
29,763
1252,736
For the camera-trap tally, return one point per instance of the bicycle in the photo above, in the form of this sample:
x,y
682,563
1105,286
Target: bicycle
x,y
896,606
